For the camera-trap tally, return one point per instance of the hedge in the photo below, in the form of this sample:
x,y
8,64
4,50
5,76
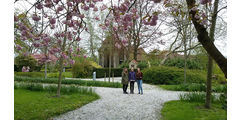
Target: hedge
x,y
41,74
64,81
172,75
29,74
100,72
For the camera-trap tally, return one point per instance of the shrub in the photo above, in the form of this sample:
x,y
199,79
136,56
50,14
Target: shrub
x,y
223,98
142,65
55,75
197,97
29,74
22,60
100,72
179,62
82,70
124,64
171,75
194,87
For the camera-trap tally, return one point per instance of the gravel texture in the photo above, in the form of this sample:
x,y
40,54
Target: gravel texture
x,y
114,105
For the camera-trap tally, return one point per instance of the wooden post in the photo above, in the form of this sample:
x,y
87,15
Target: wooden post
x,y
105,77
113,77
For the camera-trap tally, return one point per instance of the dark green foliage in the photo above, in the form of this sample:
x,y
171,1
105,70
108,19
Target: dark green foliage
x,y
223,98
142,65
64,81
123,65
82,70
179,62
100,72
22,60
29,74
171,75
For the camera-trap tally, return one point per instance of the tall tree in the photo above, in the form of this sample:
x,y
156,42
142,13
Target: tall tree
x,y
210,60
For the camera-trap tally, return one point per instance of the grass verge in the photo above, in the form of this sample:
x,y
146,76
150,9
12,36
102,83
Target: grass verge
x,y
183,110
41,105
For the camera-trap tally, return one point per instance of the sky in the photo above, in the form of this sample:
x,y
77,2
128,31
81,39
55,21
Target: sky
x,y
221,43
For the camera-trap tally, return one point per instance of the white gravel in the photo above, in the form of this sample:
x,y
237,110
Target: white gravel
x,y
114,105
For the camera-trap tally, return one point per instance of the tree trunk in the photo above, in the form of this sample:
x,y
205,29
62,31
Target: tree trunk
x,y
210,60
45,71
209,83
61,62
135,50
206,41
185,60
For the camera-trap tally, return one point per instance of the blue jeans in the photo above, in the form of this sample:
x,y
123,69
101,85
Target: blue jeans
x,y
139,82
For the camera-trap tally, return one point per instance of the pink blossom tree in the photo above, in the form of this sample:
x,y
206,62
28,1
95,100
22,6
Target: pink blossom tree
x,y
57,25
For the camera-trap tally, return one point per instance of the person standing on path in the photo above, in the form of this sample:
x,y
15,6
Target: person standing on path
x,y
139,76
132,79
125,80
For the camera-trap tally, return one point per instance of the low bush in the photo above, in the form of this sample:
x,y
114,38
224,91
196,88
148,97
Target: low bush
x,y
179,62
53,88
22,60
142,65
100,72
197,97
193,87
82,70
172,75
29,74
64,81
64,74
223,98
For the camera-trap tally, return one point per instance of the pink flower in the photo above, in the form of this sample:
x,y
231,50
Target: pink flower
x,y
59,8
103,7
36,45
18,47
69,4
78,39
205,1
85,7
95,9
72,62
81,16
85,56
35,17
96,18
91,5
117,45
39,6
52,20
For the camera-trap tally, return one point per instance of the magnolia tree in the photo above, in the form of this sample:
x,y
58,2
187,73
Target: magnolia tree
x,y
59,22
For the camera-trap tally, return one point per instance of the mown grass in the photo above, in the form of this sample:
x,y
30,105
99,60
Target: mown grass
x,y
194,87
41,103
64,81
184,110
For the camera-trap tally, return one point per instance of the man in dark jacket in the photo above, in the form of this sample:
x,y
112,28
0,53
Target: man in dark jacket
x,y
132,79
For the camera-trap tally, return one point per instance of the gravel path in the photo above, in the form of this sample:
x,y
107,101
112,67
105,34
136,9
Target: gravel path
x,y
114,105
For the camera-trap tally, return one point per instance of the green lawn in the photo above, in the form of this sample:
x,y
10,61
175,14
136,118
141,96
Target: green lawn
x,y
34,105
182,110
